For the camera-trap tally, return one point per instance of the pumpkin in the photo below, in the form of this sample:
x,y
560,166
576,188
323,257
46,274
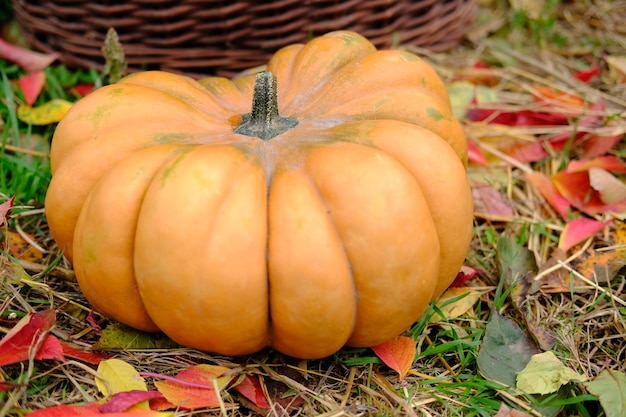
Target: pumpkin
x,y
321,203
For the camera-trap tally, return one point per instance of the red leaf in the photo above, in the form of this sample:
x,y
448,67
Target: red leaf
x,y
93,323
5,210
549,192
579,230
29,60
517,118
574,184
596,145
193,388
82,89
465,274
397,353
122,401
89,410
16,346
527,152
474,154
250,387
31,85
93,358
588,74
7,386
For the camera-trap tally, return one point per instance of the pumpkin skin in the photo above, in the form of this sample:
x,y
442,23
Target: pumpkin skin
x,y
339,231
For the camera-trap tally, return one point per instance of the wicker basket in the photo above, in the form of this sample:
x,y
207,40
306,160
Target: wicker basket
x,y
200,38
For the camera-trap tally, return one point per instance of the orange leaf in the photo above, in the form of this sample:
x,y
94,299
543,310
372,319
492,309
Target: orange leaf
x,y
575,185
194,387
549,192
558,97
579,230
93,358
397,353
16,346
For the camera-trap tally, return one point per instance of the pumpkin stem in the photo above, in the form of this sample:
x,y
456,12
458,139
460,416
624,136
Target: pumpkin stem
x,y
264,122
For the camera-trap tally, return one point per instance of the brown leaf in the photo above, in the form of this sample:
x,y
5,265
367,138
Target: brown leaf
x,y
505,411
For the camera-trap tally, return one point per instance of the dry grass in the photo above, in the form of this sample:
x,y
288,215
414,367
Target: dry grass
x,y
588,325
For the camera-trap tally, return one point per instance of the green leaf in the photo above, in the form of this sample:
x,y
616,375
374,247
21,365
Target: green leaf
x,y
118,336
545,374
610,388
505,350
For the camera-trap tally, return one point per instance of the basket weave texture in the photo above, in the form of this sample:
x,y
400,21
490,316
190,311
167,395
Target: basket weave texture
x,y
210,37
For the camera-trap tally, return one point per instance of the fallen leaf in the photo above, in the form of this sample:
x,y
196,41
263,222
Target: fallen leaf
x,y
92,410
31,85
122,401
489,202
18,343
29,60
606,264
5,210
397,353
587,74
48,113
505,350
574,184
546,374
610,388
475,155
454,302
546,188
115,375
617,67
119,336
7,386
194,387
579,230
465,274
595,145
611,189
21,249
555,97
93,358
505,411
250,387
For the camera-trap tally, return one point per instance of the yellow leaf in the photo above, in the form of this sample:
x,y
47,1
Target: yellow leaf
x,y
115,375
48,113
455,302
545,374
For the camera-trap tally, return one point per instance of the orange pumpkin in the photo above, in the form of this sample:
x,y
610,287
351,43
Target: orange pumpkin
x,y
231,230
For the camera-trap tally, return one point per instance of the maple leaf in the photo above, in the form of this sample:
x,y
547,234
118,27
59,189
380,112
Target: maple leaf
x,y
397,353
28,334
5,210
